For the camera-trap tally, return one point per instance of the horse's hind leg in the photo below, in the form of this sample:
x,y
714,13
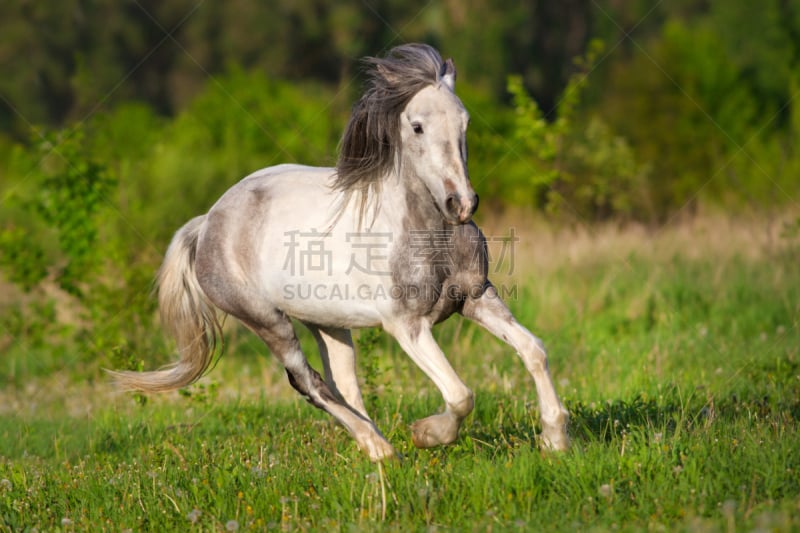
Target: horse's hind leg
x,y
489,311
339,361
279,335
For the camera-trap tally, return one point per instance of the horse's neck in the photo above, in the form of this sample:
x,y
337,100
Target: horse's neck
x,y
415,204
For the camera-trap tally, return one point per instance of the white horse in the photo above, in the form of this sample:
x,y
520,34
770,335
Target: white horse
x,y
384,239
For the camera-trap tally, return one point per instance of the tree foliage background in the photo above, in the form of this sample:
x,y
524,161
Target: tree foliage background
x,y
681,102
121,120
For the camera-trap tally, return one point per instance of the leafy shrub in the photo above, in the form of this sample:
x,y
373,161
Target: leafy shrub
x,y
576,165
90,210
81,283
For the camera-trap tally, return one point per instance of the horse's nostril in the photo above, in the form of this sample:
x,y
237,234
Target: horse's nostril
x,y
453,204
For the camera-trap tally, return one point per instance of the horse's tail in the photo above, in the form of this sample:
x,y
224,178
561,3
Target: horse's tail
x,y
186,313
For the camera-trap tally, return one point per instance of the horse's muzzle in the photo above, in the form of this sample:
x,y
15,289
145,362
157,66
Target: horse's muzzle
x,y
461,208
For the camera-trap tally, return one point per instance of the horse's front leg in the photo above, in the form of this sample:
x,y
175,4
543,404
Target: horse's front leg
x,y
418,342
489,311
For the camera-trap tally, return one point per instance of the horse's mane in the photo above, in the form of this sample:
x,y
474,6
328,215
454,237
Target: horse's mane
x,y
371,140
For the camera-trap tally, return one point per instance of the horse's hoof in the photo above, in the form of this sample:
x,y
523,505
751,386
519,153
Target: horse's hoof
x,y
421,438
378,450
555,440
433,431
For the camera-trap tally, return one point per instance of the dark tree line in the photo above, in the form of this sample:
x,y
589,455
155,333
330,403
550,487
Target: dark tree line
x,y
682,97
60,59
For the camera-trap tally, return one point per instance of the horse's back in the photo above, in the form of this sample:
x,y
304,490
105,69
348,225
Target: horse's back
x,y
265,244
266,198
230,248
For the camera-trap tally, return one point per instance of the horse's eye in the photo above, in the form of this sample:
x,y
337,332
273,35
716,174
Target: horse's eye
x,y
417,128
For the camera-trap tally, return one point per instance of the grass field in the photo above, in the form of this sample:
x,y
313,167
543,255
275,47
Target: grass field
x,y
677,353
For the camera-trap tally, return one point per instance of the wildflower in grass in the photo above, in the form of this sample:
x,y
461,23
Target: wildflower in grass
x,y
194,515
232,525
729,511
66,522
6,485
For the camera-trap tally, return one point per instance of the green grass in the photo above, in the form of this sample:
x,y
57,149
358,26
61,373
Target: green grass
x,y
680,367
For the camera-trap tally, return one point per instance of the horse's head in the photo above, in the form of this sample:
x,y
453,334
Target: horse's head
x,y
409,115
433,129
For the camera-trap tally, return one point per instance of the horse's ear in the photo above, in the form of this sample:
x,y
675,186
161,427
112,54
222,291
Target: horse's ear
x,y
448,74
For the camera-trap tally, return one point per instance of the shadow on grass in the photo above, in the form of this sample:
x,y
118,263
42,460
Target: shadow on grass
x,y
655,419
503,422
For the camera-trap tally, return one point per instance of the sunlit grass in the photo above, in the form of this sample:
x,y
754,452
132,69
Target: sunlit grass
x,y
676,352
